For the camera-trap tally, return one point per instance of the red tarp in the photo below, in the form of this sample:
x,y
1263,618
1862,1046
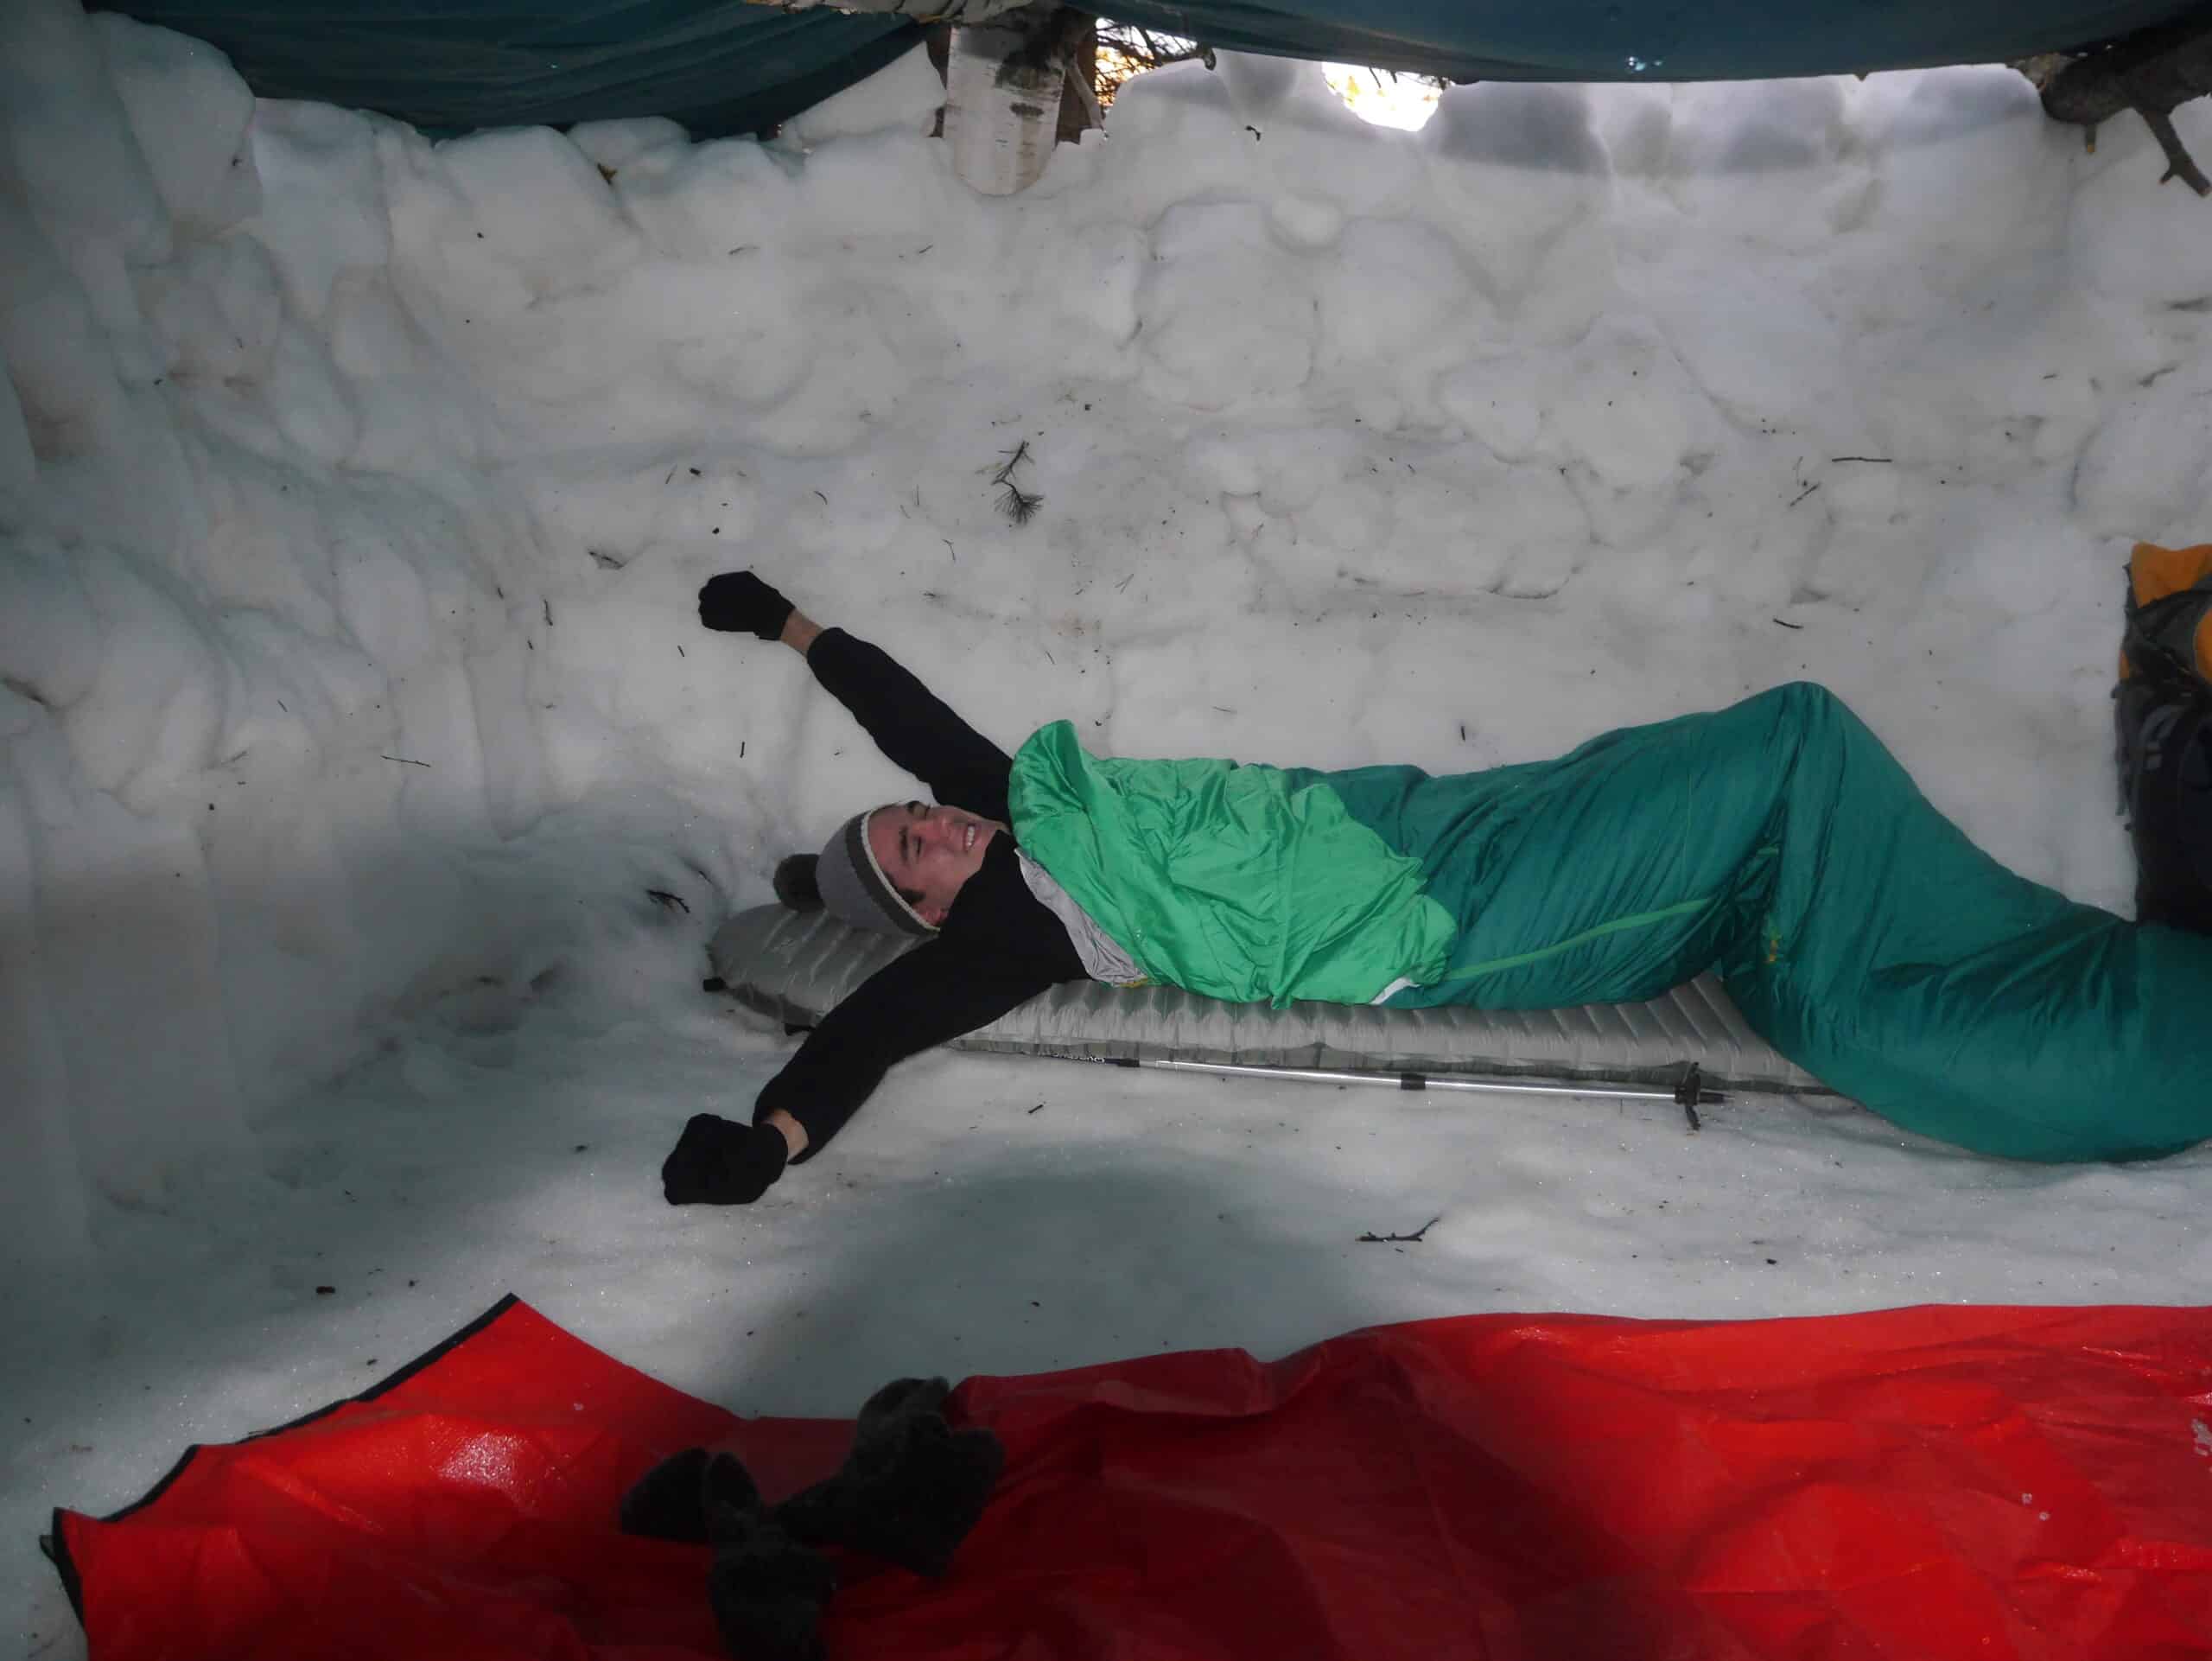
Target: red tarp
x,y
1917,1483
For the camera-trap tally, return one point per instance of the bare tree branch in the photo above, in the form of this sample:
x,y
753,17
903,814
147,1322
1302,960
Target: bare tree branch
x,y
2151,73
2179,165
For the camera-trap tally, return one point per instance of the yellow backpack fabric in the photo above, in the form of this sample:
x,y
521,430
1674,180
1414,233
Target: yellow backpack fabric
x,y
2180,630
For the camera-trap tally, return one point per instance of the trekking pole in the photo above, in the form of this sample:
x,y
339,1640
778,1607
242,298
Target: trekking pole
x,y
1689,1095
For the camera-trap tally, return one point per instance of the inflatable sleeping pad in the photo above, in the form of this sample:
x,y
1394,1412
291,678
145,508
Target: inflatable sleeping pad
x,y
795,966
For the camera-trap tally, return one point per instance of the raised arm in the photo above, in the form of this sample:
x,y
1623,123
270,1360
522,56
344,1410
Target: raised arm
x,y
910,724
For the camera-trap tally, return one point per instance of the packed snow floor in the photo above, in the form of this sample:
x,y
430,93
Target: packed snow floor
x,y
354,491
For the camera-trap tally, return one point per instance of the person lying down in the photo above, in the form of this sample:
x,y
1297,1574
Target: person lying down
x,y
1775,841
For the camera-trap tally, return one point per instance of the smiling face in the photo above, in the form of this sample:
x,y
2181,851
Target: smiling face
x,y
928,852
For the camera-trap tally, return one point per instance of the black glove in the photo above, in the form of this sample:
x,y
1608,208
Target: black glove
x,y
766,1590
716,1162
739,600
912,1488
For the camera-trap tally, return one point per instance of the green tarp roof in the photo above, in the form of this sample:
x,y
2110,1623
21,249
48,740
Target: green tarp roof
x,y
722,67
719,66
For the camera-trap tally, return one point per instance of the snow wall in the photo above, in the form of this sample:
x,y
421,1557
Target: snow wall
x,y
353,491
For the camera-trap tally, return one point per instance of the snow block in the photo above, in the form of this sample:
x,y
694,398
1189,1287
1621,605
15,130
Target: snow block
x,y
189,112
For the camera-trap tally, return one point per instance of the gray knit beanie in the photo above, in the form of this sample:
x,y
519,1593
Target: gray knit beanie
x,y
853,887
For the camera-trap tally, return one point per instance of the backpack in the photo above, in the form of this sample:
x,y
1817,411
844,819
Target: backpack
x,y
2163,719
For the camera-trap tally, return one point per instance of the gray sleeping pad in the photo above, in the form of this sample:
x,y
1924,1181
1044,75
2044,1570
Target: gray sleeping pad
x,y
795,966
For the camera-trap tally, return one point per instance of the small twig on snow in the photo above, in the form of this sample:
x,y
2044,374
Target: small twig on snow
x,y
1015,457
1019,505
1409,1239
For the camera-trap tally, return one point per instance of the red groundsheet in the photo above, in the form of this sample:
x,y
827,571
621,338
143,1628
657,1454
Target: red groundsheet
x,y
1919,1483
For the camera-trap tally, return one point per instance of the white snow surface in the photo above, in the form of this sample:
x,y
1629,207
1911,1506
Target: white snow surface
x,y
355,490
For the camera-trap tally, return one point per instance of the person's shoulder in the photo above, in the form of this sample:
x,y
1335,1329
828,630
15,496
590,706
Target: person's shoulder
x,y
987,900
996,919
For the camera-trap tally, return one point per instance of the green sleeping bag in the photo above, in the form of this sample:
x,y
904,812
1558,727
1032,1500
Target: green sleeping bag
x,y
1776,841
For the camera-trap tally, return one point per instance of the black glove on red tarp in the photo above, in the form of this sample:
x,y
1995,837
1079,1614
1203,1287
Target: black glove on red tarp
x,y
738,601
718,1162
766,1590
909,1491
912,1488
